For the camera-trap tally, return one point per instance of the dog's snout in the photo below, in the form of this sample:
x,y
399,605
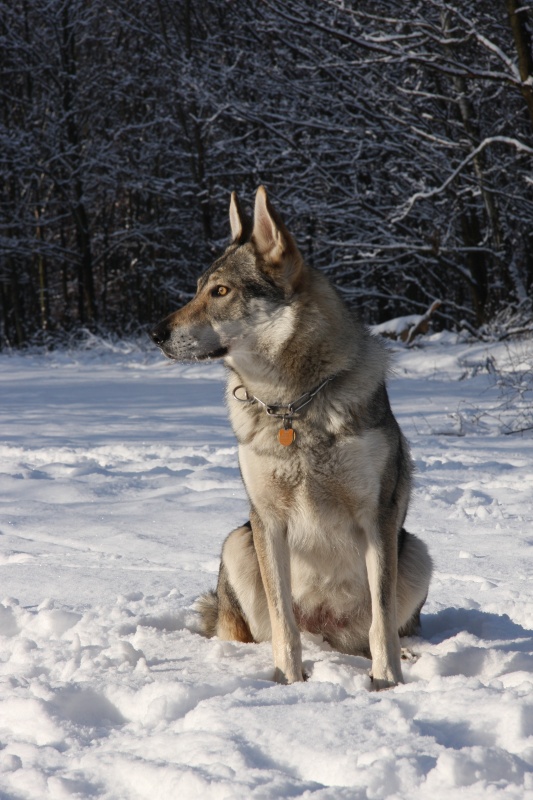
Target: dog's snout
x,y
161,334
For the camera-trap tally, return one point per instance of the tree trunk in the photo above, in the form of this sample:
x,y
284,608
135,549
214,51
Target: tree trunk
x,y
522,37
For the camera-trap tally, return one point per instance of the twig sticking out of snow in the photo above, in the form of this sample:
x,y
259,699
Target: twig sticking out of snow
x,y
408,327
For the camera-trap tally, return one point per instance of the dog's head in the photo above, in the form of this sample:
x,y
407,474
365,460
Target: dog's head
x,y
248,288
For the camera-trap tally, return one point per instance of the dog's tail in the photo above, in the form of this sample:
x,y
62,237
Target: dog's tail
x,y
207,605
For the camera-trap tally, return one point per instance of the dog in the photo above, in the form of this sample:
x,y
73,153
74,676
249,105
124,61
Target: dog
x,y
325,465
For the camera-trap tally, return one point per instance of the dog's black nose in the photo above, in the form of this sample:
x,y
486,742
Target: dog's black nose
x,y
161,334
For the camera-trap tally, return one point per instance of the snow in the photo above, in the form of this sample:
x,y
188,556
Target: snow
x,y
395,327
118,484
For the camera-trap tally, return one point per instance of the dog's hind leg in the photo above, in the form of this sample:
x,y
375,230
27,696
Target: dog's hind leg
x,y
412,626
414,574
231,623
238,610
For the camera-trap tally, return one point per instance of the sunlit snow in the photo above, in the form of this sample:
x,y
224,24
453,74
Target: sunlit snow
x,y
118,484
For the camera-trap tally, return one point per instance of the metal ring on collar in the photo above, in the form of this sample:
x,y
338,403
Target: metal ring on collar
x,y
246,399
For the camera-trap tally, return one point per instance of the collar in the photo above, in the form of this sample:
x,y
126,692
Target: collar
x,y
286,435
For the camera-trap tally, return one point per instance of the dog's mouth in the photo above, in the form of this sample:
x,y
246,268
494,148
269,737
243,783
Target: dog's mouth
x,y
189,343
213,355
219,353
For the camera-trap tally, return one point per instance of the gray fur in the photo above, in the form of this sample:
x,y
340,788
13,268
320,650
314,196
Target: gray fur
x,y
321,551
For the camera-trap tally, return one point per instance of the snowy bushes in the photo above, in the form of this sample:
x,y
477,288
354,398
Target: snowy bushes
x,y
395,140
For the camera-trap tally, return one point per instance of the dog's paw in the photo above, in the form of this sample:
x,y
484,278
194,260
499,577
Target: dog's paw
x,y
380,684
281,677
386,678
409,656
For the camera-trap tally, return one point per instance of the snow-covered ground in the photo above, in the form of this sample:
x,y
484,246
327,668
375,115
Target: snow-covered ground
x,y
118,484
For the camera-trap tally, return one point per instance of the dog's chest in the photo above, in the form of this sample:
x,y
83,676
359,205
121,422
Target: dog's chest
x,y
297,484
324,497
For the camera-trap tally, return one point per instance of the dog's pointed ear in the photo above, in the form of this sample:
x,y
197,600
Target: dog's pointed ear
x,y
273,241
236,218
266,233
241,227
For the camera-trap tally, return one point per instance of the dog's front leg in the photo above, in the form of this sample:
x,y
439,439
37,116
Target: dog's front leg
x,y
274,563
382,570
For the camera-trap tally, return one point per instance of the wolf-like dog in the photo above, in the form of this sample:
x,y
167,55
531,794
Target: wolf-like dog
x,y
325,465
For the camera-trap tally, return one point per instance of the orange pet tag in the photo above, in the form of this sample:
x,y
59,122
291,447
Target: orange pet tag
x,y
286,436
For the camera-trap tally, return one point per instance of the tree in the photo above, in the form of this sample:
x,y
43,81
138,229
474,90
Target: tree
x,y
397,142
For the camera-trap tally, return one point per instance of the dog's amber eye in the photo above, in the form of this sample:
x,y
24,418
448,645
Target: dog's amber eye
x,y
220,291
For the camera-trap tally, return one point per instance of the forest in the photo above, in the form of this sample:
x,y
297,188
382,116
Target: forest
x,y
396,139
